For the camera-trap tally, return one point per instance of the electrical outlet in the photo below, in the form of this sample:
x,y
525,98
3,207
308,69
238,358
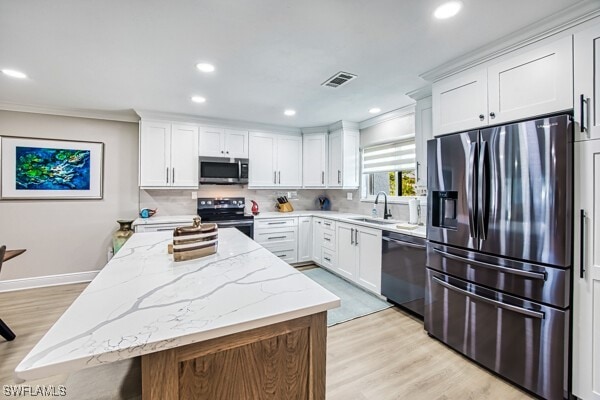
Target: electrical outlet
x,y
349,196
194,195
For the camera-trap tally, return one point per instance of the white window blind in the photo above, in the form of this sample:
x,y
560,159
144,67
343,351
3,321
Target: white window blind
x,y
397,156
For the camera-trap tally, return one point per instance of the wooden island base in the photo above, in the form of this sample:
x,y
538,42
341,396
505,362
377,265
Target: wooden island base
x,y
280,361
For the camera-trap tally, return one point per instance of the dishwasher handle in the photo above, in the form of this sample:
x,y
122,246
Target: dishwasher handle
x,y
403,243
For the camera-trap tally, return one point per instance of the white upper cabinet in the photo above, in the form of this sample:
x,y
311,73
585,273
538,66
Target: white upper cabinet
x,y
587,83
275,160
219,142
344,159
534,83
168,155
314,164
423,132
531,83
460,103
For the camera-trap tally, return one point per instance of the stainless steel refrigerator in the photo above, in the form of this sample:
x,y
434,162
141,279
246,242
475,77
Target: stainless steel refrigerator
x,y
499,249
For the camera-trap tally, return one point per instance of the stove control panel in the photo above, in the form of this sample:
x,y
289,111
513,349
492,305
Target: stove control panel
x,y
219,202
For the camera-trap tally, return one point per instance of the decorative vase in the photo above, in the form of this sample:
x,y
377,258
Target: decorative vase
x,y
122,235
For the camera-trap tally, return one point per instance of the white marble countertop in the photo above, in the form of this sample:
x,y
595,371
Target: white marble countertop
x,y
164,219
420,231
143,302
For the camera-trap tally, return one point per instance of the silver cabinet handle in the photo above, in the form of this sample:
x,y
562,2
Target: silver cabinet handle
x,y
282,255
323,177
328,239
327,259
275,177
173,175
352,236
582,217
276,223
167,174
524,311
339,176
533,275
276,237
356,237
279,177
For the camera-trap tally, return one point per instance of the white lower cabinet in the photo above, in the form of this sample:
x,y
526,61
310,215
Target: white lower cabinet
x,y
586,274
279,236
359,255
305,233
317,240
323,243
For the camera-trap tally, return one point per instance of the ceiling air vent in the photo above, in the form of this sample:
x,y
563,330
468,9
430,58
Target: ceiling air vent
x,y
339,79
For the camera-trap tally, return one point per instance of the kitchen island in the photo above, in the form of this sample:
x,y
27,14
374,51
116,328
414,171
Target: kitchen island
x,y
237,324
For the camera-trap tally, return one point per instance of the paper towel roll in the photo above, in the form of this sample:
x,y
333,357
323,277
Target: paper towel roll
x,y
413,211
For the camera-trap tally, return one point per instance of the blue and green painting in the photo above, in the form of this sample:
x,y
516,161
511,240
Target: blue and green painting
x,y
52,169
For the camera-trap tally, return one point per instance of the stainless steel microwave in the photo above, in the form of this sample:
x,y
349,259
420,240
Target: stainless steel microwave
x,y
223,170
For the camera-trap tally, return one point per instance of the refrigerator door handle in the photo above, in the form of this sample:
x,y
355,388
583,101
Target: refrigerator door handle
x,y
528,274
520,310
471,189
482,188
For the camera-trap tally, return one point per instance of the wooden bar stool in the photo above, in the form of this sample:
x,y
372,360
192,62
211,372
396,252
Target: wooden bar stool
x,y
4,329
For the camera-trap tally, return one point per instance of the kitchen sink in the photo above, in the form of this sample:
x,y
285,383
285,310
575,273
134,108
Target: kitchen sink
x,y
377,221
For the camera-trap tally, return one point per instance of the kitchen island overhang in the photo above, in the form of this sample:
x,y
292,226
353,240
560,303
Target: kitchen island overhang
x,y
144,304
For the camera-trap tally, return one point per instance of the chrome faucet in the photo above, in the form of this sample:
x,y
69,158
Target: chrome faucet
x,y
386,212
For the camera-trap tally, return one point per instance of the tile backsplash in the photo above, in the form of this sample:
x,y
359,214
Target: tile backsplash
x,y
177,202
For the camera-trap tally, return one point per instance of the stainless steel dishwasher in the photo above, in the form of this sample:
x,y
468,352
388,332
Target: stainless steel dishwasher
x,y
403,270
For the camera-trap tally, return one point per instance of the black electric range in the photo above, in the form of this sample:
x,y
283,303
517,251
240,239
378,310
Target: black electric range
x,y
226,213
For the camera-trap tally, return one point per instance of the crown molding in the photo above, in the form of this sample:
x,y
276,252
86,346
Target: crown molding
x,y
420,93
398,113
559,22
315,129
215,122
343,125
121,116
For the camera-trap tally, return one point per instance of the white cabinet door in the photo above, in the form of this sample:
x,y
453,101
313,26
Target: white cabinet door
x,y
212,142
587,83
533,83
289,161
314,160
317,240
346,251
351,163
335,159
460,103
304,239
236,143
423,132
155,152
262,160
586,298
369,259
184,156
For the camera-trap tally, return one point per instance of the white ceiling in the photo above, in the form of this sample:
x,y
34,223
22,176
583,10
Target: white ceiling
x,y
118,55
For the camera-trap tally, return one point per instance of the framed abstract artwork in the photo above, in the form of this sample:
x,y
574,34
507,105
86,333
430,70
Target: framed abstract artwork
x,y
50,169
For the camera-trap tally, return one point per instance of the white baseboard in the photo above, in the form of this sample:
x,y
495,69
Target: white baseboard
x,y
49,280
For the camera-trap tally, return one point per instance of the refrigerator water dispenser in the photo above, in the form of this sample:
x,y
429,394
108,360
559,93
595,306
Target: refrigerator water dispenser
x,y
444,209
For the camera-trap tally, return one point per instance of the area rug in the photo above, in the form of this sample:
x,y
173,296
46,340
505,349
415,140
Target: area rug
x,y
356,302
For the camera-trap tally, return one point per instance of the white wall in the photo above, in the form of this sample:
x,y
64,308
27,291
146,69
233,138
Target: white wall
x,y
69,236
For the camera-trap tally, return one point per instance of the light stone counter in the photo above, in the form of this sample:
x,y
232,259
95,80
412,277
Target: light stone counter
x,y
142,302
420,231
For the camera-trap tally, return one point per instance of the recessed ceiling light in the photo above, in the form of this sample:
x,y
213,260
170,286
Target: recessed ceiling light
x,y
14,74
289,113
198,99
447,10
205,67
375,110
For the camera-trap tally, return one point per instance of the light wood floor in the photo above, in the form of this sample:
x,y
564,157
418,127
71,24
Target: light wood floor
x,y
386,355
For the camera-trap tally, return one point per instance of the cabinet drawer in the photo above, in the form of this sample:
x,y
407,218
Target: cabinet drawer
x,y
275,223
328,258
329,240
278,235
328,224
287,254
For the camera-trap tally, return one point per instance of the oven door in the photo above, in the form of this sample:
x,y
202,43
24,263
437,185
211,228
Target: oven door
x,y
223,170
244,226
523,341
